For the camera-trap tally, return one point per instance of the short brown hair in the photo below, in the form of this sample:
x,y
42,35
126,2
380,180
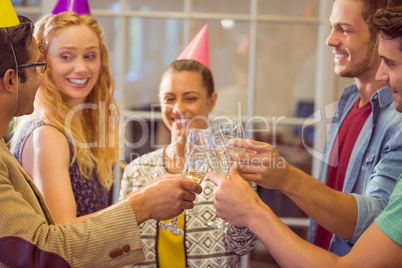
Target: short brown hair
x,y
20,37
369,8
387,22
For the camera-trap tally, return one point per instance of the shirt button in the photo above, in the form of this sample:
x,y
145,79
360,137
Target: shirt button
x,y
126,248
113,254
119,252
375,97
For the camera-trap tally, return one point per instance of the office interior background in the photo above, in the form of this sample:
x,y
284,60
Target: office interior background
x,y
270,65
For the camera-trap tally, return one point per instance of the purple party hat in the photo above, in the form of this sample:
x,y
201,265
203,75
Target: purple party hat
x,y
81,7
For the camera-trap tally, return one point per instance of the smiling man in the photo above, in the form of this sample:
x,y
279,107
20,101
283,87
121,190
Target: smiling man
x,y
358,171
390,50
381,244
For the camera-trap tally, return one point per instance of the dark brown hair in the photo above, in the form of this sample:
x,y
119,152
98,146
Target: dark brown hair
x,y
369,7
387,22
20,37
193,66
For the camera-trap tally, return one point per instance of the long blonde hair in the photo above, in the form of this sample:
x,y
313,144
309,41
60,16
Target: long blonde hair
x,y
54,109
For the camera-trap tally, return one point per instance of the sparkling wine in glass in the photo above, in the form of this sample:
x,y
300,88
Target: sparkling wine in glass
x,y
196,176
195,167
219,160
195,148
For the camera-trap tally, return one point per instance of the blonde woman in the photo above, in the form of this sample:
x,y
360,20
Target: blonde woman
x,y
69,145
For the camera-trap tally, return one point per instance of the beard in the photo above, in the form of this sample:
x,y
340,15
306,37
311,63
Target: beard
x,y
398,100
355,70
398,106
397,96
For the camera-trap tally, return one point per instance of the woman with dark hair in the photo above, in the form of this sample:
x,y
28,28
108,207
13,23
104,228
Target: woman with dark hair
x,y
187,96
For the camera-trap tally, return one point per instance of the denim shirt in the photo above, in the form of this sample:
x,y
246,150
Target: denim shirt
x,y
374,165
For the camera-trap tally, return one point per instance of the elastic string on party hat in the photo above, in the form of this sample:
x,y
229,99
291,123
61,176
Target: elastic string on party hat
x,y
16,70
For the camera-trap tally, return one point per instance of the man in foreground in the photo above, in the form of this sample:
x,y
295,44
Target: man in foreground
x,y
28,235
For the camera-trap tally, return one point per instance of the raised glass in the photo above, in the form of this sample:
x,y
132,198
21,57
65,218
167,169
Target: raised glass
x,y
195,168
219,160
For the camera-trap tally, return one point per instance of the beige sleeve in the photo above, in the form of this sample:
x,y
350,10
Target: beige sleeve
x,y
91,243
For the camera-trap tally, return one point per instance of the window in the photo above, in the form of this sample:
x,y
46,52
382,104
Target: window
x,y
263,55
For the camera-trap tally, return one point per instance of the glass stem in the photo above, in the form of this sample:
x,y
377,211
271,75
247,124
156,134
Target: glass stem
x,y
174,220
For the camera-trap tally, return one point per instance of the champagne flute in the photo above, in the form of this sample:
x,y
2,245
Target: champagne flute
x,y
233,129
220,137
195,144
195,167
219,160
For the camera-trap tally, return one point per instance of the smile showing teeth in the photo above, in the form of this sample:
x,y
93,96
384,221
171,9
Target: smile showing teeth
x,y
341,56
181,121
78,81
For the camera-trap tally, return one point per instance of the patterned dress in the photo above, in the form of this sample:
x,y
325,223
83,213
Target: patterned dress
x,y
204,246
90,196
